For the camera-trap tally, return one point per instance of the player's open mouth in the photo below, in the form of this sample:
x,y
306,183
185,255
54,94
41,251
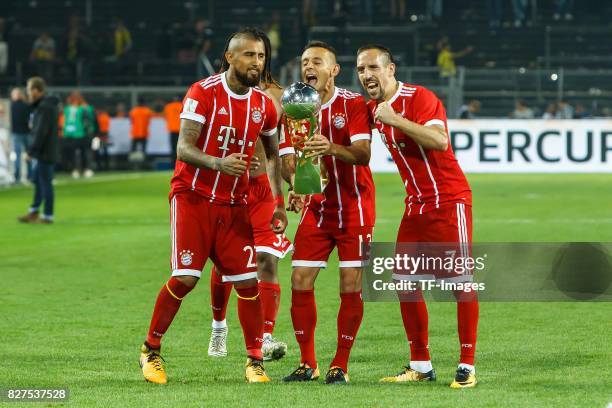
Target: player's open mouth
x,y
311,79
371,85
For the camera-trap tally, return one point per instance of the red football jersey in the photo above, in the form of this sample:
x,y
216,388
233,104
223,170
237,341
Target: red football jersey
x,y
232,124
432,178
349,197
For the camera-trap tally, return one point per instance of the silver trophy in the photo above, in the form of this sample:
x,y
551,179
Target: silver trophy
x,y
302,103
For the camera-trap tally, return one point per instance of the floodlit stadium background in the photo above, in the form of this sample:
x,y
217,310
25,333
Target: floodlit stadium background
x,y
78,294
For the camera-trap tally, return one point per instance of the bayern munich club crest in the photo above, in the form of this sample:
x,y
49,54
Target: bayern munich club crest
x,y
186,257
256,115
339,121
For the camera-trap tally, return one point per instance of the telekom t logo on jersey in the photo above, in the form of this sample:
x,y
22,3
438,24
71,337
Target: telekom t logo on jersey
x,y
227,136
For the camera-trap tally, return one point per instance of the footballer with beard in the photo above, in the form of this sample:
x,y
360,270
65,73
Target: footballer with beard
x,y
222,118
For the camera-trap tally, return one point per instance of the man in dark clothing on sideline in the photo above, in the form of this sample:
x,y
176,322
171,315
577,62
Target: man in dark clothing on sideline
x,y
20,131
43,151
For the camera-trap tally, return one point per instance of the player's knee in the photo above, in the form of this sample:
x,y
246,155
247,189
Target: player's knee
x,y
302,279
266,268
350,279
244,284
187,280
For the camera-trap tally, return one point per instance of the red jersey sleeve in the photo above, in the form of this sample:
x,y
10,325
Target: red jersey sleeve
x,y
284,143
196,104
427,109
358,120
271,120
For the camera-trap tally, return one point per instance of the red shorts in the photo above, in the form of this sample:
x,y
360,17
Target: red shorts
x,y
442,233
261,208
201,230
313,244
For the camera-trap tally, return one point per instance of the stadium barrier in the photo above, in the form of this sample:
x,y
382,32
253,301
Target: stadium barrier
x,y
522,146
481,146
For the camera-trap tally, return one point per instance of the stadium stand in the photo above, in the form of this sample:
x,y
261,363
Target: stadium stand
x,y
542,61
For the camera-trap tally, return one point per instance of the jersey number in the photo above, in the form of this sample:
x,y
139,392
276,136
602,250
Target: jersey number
x,y
251,251
364,243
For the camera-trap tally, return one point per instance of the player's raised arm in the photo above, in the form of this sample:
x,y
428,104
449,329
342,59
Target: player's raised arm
x,y
187,151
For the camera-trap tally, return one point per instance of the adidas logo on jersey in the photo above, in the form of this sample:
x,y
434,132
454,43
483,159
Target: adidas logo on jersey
x,y
222,111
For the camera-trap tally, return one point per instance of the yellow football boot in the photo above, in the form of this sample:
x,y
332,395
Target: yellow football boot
x,y
152,366
255,372
410,375
464,378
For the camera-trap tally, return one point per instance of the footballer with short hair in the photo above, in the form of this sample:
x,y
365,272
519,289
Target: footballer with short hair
x,y
341,217
411,121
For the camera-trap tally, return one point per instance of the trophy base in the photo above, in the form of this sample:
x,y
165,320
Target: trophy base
x,y
307,178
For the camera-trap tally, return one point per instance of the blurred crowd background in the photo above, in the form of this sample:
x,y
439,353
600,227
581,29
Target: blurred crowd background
x,y
523,59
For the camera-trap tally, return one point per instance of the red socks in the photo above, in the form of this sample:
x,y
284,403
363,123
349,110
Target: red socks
x,y
349,320
414,315
416,321
304,317
467,325
269,294
166,306
251,320
219,295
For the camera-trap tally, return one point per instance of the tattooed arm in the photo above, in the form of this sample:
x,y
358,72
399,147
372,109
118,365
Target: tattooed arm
x,y
273,163
188,152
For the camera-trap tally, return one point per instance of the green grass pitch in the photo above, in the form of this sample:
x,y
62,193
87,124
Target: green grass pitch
x,y
77,297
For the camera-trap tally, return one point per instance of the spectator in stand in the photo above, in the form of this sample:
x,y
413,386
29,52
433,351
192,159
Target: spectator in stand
x,y
123,40
522,111
470,110
551,111
76,141
564,110
43,56
446,58
140,116
580,112
20,131
79,50
42,151
172,112
564,9
102,160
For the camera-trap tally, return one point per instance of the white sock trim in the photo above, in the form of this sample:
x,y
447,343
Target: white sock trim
x,y
469,367
421,366
219,324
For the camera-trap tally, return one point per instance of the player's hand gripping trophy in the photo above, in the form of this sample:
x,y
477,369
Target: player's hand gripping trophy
x,y
301,103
